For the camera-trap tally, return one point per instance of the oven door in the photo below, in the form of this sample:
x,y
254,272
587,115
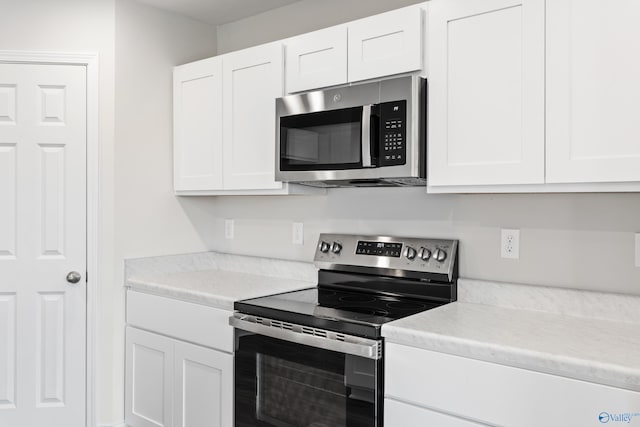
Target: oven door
x,y
279,383
326,140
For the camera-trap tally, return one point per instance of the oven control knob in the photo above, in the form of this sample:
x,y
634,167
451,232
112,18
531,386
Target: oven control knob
x,y
424,254
324,247
439,255
336,248
410,253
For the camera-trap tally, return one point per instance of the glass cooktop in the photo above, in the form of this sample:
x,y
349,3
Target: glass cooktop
x,y
355,313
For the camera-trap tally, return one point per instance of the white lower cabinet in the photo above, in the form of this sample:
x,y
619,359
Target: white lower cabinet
x,y
491,394
399,414
203,387
171,383
149,369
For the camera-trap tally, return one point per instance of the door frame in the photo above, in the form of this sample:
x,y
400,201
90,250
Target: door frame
x,y
90,61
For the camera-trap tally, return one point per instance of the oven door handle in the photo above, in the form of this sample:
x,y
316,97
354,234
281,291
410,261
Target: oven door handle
x,y
366,136
313,337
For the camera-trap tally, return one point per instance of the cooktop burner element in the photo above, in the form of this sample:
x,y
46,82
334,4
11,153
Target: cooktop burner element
x,y
363,284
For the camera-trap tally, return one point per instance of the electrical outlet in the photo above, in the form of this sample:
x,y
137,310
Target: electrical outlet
x,y
510,244
637,249
229,228
297,233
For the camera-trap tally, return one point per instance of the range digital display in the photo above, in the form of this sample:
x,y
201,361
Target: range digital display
x,y
389,249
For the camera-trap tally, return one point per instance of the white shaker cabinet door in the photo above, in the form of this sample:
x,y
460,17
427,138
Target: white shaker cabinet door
x,y
197,121
400,414
386,44
253,79
149,379
593,91
316,60
486,92
203,387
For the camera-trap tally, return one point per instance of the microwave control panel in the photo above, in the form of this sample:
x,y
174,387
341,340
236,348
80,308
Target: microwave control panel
x,y
393,121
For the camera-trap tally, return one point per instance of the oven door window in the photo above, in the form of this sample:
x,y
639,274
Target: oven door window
x,y
326,140
282,384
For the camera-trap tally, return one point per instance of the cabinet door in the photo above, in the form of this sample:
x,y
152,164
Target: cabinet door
x,y
252,82
149,377
593,125
316,60
385,44
398,414
197,126
496,394
203,387
486,92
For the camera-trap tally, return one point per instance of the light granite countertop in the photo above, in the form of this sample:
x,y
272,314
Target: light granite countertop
x,y
583,335
217,279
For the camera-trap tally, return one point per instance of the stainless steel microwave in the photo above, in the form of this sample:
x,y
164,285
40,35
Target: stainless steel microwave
x,y
371,134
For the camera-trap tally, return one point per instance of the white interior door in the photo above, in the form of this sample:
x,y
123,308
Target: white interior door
x,y
42,239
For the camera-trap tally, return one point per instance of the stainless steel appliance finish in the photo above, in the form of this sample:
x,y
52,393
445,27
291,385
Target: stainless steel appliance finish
x,y
380,141
315,357
427,259
314,337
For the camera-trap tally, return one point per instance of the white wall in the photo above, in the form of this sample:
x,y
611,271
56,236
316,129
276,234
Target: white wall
x,y
570,240
149,219
80,26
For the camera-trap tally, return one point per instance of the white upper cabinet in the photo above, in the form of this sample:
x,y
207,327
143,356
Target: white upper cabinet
x,y
593,91
486,92
386,44
253,79
316,60
197,125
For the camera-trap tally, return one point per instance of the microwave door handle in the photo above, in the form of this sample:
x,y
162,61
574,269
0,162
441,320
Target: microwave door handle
x,y
366,136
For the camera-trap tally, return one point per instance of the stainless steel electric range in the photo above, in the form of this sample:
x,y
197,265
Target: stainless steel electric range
x,y
314,357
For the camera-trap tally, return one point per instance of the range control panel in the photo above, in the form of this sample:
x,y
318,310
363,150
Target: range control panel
x,y
393,121
379,248
437,256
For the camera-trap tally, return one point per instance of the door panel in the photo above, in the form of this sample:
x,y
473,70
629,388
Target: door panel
x,y
197,114
8,206
50,368
385,44
593,91
486,92
317,60
42,238
7,351
203,387
253,79
149,369
400,414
